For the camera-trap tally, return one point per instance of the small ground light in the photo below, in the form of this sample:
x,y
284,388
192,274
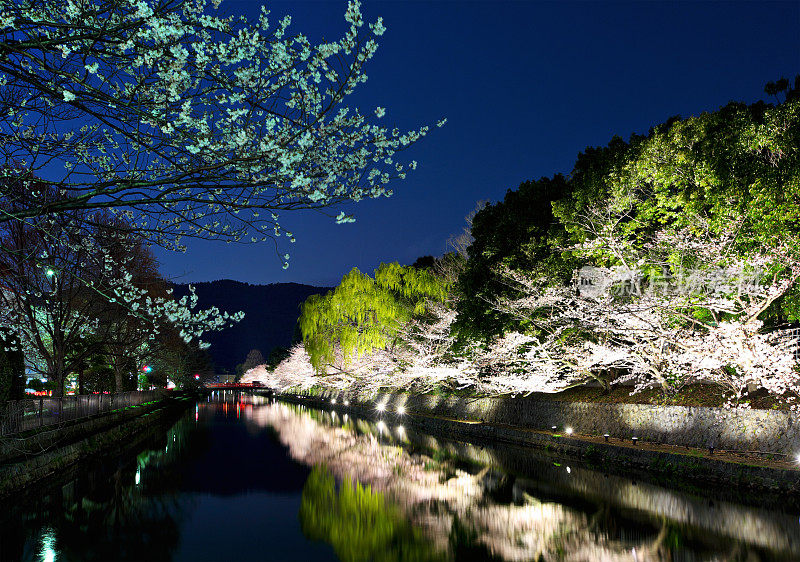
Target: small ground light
x,y
333,400
569,470
555,427
381,407
711,449
606,436
634,440
346,402
401,410
568,431
50,273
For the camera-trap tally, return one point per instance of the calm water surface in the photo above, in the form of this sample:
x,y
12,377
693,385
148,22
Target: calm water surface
x,y
242,477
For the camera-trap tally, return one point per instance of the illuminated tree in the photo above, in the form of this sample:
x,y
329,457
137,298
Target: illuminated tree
x,y
696,228
254,359
185,122
64,291
363,314
46,298
360,524
126,341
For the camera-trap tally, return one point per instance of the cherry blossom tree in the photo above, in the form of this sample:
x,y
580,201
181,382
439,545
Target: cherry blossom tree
x,y
652,330
62,287
665,327
185,122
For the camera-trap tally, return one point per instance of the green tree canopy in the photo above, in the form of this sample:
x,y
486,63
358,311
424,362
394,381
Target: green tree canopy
x,y
364,313
519,233
737,168
730,174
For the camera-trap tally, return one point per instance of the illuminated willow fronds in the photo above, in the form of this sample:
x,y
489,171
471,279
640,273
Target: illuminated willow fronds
x,y
363,314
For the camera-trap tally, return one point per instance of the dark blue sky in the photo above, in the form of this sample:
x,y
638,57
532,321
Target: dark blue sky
x,y
525,86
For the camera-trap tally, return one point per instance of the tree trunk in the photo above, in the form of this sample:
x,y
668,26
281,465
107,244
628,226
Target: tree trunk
x,y
80,380
118,378
59,373
58,380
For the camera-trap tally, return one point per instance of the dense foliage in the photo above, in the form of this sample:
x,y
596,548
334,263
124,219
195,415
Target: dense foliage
x,y
708,200
660,261
519,232
364,313
738,165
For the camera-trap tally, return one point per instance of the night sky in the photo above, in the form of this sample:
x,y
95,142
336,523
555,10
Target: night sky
x,y
525,86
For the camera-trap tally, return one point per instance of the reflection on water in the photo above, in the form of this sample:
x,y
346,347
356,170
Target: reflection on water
x,y
511,503
242,477
360,523
208,487
99,515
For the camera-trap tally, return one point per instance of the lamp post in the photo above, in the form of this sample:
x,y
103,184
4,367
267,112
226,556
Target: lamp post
x,y
50,273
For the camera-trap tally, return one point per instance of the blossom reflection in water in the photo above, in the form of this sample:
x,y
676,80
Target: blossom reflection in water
x,y
458,510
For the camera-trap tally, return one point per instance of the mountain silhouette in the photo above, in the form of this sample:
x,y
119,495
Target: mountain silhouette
x,y
270,316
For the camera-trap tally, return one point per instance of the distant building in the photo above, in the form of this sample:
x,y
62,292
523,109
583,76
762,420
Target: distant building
x,y
225,379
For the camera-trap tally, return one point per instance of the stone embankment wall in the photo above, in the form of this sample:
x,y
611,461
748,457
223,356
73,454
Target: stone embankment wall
x,y
739,429
25,460
688,466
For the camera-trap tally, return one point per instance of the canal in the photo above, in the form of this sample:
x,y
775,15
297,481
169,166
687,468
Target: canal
x,y
244,477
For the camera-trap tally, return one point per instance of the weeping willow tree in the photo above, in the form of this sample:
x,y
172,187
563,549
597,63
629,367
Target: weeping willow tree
x,y
364,313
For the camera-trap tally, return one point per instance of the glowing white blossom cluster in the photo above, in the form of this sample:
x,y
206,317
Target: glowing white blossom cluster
x,y
651,340
645,338
184,122
180,313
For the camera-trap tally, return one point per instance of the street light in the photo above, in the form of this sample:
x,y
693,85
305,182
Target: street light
x,y
51,273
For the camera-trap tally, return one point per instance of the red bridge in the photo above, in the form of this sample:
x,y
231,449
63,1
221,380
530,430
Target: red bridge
x,y
235,385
